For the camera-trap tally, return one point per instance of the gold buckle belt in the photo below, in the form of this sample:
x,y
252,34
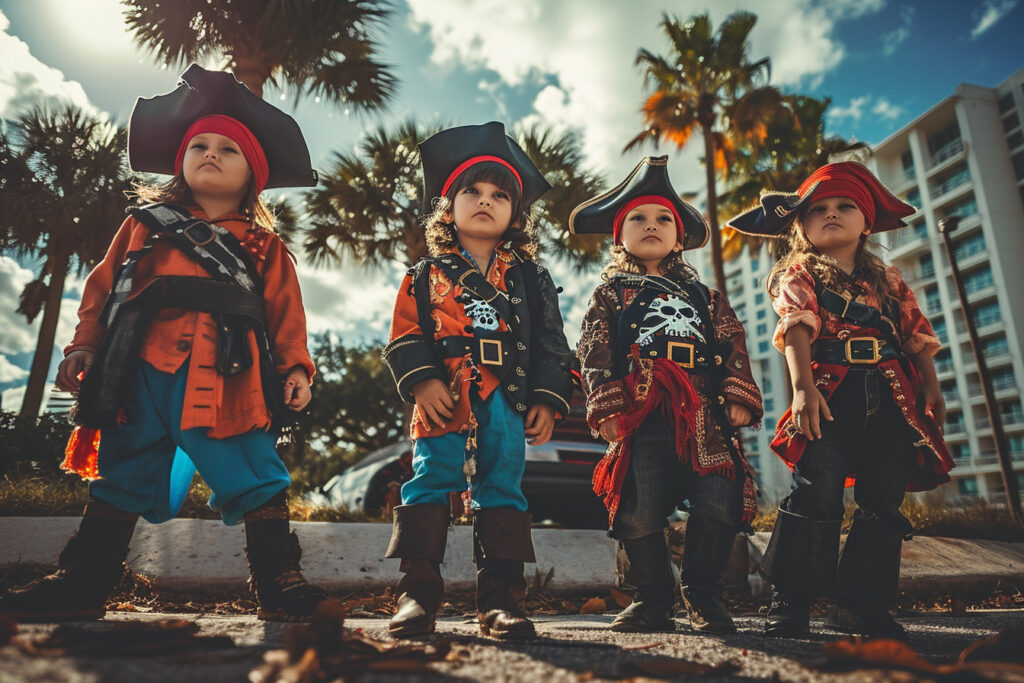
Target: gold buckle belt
x,y
876,351
491,351
685,346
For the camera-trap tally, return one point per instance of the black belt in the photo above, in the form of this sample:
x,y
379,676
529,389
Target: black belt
x,y
689,356
855,351
495,349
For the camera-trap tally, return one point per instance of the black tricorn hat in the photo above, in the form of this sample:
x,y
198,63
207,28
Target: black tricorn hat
x,y
777,210
447,154
158,124
649,178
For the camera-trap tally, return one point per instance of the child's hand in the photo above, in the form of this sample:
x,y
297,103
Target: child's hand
x,y
76,363
540,422
296,389
609,430
434,402
739,416
808,408
935,406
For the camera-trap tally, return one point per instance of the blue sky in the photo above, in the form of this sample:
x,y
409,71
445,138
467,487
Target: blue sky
x,y
565,63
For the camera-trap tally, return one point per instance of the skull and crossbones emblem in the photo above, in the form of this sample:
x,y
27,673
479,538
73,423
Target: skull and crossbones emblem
x,y
483,315
672,316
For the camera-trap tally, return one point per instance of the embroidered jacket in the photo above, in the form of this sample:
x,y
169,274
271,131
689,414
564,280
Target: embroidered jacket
x,y
472,346
667,331
227,405
796,302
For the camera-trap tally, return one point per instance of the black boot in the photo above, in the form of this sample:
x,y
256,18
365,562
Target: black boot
x,y
419,536
706,551
89,568
869,573
648,575
800,562
274,575
501,545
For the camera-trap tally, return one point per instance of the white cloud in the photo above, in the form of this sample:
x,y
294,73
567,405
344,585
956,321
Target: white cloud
x,y
853,111
16,335
992,12
9,372
886,109
891,40
25,81
589,54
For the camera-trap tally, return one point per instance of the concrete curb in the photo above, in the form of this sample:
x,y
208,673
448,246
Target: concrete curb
x,y
204,556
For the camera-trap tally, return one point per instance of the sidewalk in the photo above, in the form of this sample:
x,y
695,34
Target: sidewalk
x,y
205,557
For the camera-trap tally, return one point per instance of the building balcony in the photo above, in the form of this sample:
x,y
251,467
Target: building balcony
x,y
952,193
947,156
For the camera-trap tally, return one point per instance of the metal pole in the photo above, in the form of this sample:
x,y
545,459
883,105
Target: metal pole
x,y
946,226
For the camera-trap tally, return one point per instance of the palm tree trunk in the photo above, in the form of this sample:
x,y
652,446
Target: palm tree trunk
x,y
47,333
716,237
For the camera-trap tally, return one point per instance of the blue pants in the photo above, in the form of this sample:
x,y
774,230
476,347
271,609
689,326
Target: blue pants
x,y
147,464
656,483
501,460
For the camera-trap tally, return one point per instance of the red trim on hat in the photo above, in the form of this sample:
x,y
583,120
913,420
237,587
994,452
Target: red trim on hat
x,y
880,207
479,160
620,215
236,130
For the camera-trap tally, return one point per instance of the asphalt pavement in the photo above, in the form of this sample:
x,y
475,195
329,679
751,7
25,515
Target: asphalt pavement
x,y
570,648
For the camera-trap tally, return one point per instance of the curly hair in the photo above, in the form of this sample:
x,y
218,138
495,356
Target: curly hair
x,y
177,191
441,232
622,261
795,249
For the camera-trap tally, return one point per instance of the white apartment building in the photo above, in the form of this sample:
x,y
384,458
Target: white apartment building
x,y
965,157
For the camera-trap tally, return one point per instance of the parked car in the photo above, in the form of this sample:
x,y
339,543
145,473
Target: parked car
x,y
557,481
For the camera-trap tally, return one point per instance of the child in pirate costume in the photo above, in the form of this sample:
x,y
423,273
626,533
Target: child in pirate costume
x,y
866,403
192,342
477,344
667,376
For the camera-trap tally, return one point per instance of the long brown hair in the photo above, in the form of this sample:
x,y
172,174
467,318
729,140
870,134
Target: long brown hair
x,y
177,191
795,249
622,261
442,235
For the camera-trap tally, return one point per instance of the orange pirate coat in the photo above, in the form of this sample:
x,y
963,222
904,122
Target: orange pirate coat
x,y
444,328
227,405
696,368
885,338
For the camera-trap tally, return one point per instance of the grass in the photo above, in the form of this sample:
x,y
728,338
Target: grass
x,y
932,516
46,496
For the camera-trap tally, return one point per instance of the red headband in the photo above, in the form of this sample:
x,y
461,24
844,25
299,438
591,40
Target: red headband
x,y
234,129
479,160
620,215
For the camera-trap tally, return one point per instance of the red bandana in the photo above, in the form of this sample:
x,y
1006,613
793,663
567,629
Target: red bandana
x,y
882,210
479,160
234,129
620,215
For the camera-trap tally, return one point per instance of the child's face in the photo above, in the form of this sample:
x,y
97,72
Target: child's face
x,y
834,223
214,166
649,233
482,210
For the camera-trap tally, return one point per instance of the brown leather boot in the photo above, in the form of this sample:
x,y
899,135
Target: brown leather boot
x,y
274,573
647,575
501,546
418,537
89,568
706,553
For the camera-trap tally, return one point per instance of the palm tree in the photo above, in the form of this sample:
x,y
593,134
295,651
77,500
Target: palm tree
x,y
794,146
707,84
323,49
369,203
63,176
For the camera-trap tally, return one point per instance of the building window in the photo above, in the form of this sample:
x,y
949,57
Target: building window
x,y
762,328
969,247
1006,103
1011,121
1003,379
1016,443
769,404
908,166
967,487
766,385
978,280
926,265
759,298
964,208
987,314
755,264
1015,139
762,347
761,313
945,144
997,346
1018,164
933,302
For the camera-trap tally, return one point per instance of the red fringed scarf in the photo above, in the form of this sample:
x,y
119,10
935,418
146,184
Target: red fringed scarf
x,y
82,453
654,384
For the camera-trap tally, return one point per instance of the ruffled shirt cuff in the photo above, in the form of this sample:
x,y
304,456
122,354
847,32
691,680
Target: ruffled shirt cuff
x,y
919,342
792,319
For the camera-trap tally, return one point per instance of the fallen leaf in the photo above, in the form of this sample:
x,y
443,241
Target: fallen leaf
x,y
1007,646
620,598
882,652
594,606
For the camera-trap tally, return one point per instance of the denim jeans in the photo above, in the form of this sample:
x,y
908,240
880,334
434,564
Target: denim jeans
x,y
868,438
656,483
